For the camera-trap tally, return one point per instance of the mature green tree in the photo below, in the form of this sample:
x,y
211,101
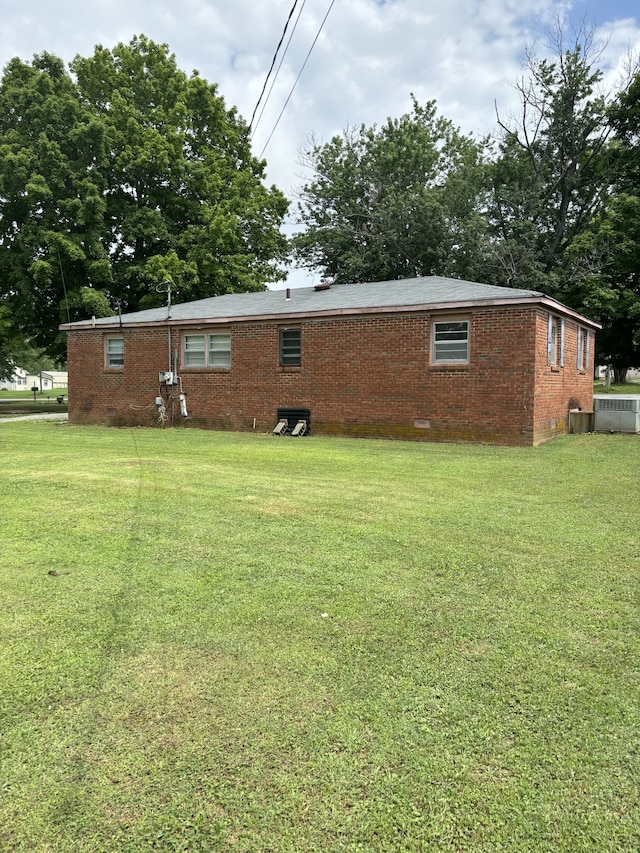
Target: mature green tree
x,y
16,352
7,344
616,235
186,199
552,175
51,196
618,344
119,177
392,202
565,202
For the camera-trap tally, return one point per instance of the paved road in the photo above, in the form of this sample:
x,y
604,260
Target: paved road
x,y
50,416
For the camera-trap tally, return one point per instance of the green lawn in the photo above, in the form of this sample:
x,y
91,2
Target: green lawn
x,y
599,387
22,402
236,642
28,395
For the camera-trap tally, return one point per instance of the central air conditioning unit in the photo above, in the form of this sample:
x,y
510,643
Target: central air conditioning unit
x,y
617,413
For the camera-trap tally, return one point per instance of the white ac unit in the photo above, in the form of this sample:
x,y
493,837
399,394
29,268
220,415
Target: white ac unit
x,y
617,413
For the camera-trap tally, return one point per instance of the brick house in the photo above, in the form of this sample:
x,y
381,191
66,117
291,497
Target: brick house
x,y
425,358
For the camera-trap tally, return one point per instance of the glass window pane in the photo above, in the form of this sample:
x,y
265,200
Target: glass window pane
x,y
452,352
451,341
220,350
194,351
554,342
115,352
451,330
290,346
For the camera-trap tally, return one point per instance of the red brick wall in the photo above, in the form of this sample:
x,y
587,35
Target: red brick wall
x,y
560,388
361,376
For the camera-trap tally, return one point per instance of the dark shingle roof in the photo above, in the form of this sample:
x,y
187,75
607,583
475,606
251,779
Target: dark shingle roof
x,y
406,293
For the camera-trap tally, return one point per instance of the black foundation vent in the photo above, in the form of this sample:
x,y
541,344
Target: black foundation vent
x,y
293,418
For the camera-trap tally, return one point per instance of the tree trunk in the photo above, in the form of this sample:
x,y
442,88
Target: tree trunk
x,y
620,375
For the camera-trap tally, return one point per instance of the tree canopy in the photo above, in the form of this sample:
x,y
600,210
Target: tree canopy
x,y
121,173
392,202
550,178
550,203
615,234
117,175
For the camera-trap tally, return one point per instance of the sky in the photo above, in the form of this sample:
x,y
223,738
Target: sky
x,y
347,62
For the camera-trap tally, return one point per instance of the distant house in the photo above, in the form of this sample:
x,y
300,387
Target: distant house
x,y
425,359
59,378
47,380
18,381
43,380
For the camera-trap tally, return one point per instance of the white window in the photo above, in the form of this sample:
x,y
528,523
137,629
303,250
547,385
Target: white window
x,y
450,341
555,342
583,348
220,350
587,349
114,352
194,354
207,350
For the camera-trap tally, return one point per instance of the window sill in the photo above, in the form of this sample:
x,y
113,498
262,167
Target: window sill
x,y
185,370
450,365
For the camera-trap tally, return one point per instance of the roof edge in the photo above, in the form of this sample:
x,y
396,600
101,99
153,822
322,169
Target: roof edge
x,y
427,307
564,309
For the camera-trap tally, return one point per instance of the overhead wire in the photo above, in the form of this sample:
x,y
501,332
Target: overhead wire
x,y
295,83
273,62
282,58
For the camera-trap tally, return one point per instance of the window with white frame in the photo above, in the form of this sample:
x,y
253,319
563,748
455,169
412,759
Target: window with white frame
x,y
114,351
450,341
220,350
212,350
583,348
587,349
552,342
194,351
555,341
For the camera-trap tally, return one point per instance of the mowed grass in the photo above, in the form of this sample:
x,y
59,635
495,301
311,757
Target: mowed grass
x,y
235,642
632,387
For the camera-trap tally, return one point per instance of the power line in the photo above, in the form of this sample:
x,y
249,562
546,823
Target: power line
x,y
275,76
297,78
273,62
